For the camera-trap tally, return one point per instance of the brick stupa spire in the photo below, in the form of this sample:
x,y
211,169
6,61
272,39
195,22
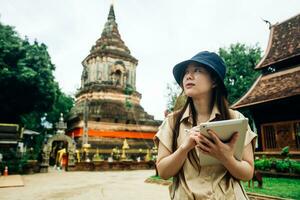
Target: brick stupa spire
x,y
108,88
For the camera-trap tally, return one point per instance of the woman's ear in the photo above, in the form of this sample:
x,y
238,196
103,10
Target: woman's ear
x,y
214,83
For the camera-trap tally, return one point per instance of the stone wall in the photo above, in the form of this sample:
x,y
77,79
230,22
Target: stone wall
x,y
111,166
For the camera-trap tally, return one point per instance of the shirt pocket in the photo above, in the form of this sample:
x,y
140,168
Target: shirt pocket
x,y
222,186
178,193
226,189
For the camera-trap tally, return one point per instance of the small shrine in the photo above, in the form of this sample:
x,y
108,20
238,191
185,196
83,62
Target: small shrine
x,y
60,150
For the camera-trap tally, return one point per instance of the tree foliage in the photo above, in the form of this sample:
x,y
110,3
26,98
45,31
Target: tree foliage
x,y
62,104
240,61
28,91
173,91
26,76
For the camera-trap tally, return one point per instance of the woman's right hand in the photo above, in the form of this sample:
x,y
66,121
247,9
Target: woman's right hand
x,y
191,140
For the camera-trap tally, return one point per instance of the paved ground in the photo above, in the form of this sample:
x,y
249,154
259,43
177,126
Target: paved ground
x,y
11,181
87,186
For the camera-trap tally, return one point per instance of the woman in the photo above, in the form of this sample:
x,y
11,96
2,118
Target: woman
x,y
202,81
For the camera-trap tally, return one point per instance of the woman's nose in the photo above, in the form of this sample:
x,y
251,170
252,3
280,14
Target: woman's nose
x,y
188,75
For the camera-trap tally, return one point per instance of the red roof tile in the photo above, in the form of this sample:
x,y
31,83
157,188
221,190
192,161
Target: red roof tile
x,y
284,42
277,85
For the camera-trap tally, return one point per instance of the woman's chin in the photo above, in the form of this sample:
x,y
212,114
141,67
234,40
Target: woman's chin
x,y
191,94
194,94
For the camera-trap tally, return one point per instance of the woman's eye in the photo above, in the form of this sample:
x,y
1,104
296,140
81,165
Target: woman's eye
x,y
197,70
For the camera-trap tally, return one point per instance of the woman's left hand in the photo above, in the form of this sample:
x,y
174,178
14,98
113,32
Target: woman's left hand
x,y
216,148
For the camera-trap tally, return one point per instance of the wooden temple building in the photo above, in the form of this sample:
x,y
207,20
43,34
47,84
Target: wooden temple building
x,y
274,98
107,109
10,137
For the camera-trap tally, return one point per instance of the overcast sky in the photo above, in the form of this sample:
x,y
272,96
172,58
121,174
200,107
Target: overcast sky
x,y
159,33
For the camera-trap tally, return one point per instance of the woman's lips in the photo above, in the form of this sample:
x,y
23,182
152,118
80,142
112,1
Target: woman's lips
x,y
189,85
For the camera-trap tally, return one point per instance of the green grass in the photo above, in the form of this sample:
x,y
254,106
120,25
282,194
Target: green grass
x,y
280,187
158,178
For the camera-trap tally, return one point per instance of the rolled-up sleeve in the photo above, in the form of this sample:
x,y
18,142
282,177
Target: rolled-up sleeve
x,y
164,135
250,135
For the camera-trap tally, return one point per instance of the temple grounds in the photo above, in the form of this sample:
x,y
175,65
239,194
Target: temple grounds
x,y
110,185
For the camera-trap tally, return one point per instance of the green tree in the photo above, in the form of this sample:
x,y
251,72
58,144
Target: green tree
x,y
26,76
173,90
240,60
28,91
62,104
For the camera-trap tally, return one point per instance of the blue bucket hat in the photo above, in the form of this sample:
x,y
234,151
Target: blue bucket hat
x,y
210,60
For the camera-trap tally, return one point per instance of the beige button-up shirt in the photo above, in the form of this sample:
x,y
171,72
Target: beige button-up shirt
x,y
214,181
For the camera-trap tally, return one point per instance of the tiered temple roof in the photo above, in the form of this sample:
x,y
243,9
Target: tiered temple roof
x,y
280,66
283,43
271,87
110,43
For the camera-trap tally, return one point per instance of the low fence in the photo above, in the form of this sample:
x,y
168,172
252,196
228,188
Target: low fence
x,y
111,166
294,155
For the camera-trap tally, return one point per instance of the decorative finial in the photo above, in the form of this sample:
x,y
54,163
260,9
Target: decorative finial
x,y
267,22
61,125
125,144
61,119
111,15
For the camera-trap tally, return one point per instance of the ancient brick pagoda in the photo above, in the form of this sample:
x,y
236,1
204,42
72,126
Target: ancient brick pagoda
x,y
107,101
274,98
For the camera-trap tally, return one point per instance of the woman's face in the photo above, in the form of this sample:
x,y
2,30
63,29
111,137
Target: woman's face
x,y
197,81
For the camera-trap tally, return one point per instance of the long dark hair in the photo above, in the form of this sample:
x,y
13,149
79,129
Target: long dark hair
x,y
220,98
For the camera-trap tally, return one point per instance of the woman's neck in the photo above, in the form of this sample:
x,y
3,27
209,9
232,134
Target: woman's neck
x,y
203,107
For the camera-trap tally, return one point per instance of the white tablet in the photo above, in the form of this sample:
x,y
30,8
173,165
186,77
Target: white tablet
x,y
224,129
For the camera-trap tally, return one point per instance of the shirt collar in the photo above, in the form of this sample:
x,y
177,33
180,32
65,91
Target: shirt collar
x,y
188,114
